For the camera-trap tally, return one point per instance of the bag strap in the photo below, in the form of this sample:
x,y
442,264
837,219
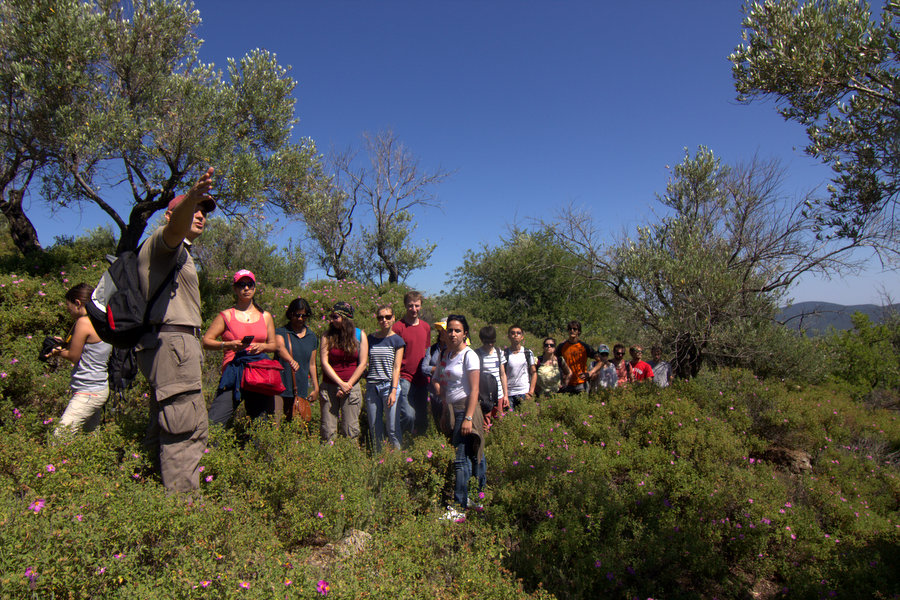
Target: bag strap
x,y
291,352
151,302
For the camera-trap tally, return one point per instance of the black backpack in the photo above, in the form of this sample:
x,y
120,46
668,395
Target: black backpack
x,y
487,386
118,310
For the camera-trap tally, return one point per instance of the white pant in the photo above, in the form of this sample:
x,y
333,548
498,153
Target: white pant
x,y
83,411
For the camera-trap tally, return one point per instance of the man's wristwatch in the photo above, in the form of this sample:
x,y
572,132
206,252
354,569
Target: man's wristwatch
x,y
468,418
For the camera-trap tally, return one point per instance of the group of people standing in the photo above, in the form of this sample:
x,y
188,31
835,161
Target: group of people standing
x,y
566,368
409,377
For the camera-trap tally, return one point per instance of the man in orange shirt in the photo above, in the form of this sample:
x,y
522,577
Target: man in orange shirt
x,y
576,354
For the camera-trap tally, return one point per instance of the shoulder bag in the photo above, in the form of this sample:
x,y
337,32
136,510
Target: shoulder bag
x,y
301,404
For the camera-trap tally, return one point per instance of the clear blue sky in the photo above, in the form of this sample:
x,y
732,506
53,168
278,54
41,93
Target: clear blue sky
x,y
534,105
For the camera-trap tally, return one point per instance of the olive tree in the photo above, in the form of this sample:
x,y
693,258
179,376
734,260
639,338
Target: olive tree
x,y
707,277
391,184
146,116
833,67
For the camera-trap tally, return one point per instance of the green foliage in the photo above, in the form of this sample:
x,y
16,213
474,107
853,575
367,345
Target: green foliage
x,y
114,92
707,278
868,356
227,246
641,492
529,279
833,67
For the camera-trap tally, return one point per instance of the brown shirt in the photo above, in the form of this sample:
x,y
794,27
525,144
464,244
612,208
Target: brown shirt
x,y
181,306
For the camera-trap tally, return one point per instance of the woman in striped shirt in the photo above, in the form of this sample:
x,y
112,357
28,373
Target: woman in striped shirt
x,y
385,356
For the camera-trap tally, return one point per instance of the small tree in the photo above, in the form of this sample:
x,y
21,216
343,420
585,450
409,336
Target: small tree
x,y
833,68
709,277
529,279
391,187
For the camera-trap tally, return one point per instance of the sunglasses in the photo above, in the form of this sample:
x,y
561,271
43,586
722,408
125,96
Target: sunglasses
x,y
299,315
245,284
384,317
549,345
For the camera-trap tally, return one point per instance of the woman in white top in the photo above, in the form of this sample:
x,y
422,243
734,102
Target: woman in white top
x,y
89,354
457,384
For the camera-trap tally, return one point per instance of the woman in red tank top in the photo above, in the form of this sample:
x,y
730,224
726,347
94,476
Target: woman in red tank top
x,y
245,327
345,355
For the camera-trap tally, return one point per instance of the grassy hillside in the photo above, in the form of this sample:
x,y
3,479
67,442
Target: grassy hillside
x,y
722,487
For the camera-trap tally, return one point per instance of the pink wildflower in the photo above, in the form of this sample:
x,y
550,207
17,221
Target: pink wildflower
x,y
322,587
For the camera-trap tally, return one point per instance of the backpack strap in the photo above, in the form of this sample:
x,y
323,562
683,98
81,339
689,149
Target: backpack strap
x,y
179,263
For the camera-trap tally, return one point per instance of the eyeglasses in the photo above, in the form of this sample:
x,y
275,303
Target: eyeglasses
x,y
245,284
384,317
619,353
300,315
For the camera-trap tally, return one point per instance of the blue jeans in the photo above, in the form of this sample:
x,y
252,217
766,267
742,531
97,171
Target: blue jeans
x,y
466,462
412,414
376,406
515,401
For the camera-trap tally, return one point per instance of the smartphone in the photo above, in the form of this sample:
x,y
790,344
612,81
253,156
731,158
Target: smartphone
x,y
247,340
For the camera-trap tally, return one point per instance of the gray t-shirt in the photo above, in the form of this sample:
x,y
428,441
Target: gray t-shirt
x,y
89,373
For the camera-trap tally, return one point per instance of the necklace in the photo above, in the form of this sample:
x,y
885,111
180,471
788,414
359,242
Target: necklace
x,y
244,316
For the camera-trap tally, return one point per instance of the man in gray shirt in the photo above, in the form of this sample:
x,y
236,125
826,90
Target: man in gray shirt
x,y
169,356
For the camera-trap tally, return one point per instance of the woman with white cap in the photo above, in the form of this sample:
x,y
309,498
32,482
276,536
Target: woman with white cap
x,y
244,329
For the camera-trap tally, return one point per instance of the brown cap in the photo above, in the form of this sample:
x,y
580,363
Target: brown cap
x,y
207,204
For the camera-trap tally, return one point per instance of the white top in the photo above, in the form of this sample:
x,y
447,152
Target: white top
x,y
453,375
517,380
492,364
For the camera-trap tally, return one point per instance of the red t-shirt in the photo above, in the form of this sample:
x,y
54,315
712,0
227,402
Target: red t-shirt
x,y
418,339
641,370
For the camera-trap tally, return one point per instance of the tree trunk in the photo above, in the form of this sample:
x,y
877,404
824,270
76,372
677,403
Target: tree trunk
x,y
23,233
137,223
688,356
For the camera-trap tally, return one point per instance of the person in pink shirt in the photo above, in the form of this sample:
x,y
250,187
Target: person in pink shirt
x,y
244,329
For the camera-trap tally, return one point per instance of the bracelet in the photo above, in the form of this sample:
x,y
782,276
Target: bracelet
x,y
223,344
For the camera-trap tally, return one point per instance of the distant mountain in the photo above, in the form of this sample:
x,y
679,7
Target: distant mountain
x,y
817,318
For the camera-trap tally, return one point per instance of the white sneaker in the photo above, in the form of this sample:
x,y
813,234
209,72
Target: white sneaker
x,y
454,515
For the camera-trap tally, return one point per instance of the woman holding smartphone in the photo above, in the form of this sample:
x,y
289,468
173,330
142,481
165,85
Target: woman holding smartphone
x,y
89,354
244,329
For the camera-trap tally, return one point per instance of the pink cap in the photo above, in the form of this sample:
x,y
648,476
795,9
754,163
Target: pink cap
x,y
244,273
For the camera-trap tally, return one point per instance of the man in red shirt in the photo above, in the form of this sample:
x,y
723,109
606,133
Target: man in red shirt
x,y
641,370
412,401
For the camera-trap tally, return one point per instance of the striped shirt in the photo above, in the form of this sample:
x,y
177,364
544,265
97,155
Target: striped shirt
x,y
382,351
